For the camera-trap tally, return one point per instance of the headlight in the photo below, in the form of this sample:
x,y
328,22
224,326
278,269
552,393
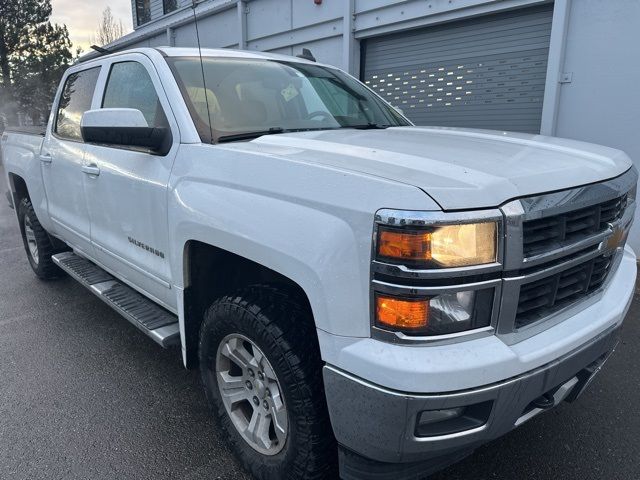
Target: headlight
x,y
427,274
437,315
444,246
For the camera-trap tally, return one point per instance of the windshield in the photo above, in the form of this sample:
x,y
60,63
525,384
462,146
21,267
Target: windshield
x,y
246,98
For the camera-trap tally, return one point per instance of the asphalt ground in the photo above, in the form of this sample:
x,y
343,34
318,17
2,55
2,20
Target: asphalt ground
x,y
85,395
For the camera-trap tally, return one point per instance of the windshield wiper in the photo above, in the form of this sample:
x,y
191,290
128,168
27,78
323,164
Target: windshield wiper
x,y
272,130
250,135
368,126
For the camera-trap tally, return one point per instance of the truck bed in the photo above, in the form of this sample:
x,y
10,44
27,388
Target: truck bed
x,y
20,155
31,130
21,144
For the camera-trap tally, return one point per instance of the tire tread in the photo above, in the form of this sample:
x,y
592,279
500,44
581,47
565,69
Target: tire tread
x,y
288,326
45,269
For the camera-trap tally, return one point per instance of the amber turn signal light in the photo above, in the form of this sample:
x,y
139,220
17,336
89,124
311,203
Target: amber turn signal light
x,y
404,245
402,313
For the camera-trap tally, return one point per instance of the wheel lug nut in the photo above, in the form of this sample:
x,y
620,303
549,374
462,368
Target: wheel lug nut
x,y
260,376
267,392
250,372
249,384
256,401
265,405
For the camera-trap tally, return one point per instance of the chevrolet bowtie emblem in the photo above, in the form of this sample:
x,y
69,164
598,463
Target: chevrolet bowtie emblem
x,y
616,238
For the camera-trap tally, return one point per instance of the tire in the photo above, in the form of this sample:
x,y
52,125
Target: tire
x,y
282,329
37,243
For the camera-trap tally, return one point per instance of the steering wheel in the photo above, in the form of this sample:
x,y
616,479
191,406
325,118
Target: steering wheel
x,y
319,113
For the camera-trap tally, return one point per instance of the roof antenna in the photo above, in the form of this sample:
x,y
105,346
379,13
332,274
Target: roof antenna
x,y
194,4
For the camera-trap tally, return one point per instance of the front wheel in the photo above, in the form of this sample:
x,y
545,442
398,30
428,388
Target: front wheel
x,y
262,374
37,243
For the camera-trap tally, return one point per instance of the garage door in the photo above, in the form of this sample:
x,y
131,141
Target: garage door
x,y
486,72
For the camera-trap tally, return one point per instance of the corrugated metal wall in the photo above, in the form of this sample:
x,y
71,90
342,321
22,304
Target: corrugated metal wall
x,y
486,72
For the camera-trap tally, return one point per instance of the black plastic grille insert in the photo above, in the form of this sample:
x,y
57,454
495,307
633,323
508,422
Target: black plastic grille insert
x,y
543,297
546,234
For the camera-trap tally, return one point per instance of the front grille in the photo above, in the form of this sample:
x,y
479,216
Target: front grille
x,y
546,234
543,297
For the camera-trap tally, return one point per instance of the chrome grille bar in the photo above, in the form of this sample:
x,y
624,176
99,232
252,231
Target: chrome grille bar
x,y
547,207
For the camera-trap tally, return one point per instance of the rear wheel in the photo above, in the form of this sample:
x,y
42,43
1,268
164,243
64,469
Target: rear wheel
x,y
37,243
262,374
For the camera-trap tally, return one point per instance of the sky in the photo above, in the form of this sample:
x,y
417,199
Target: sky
x,y
83,16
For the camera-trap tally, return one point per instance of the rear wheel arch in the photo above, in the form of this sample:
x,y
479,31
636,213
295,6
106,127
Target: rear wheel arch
x,y
18,188
37,242
210,273
19,192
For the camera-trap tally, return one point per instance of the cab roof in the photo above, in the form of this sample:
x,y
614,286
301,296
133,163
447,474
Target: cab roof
x,y
206,53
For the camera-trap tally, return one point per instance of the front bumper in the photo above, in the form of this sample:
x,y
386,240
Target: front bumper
x,y
376,391
376,427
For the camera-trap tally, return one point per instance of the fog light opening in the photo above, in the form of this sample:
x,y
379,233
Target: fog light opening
x,y
448,421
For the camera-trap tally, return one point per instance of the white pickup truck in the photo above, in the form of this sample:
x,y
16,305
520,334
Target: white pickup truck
x,y
360,294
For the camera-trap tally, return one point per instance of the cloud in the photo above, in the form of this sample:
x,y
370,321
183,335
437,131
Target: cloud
x,y
82,17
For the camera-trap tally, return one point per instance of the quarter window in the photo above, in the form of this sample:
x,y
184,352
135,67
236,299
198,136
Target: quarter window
x,y
130,86
75,100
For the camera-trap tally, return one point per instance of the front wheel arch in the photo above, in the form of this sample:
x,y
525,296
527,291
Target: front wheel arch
x,y
210,273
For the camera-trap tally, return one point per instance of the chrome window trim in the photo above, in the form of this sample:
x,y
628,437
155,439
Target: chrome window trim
x,y
518,211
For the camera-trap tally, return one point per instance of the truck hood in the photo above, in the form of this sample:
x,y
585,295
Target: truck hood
x,y
458,168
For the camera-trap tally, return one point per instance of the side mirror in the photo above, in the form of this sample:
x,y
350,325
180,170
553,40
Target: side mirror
x,y
125,127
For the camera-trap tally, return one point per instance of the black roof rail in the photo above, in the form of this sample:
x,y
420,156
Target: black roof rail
x,y
101,49
307,55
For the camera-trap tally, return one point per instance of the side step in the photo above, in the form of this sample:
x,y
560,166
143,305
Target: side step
x,y
155,321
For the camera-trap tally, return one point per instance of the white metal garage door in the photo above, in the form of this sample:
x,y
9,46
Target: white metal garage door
x,y
486,72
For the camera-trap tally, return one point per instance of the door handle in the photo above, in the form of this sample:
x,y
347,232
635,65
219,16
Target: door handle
x,y
91,170
46,158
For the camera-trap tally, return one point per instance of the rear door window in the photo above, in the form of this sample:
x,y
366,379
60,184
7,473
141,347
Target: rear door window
x,y
76,98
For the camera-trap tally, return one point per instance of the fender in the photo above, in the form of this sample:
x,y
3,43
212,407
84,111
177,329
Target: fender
x,y
310,223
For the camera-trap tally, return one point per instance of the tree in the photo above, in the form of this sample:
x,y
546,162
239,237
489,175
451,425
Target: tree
x,y
40,69
33,55
108,30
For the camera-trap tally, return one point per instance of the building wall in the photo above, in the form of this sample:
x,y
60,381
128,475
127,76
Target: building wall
x,y
286,26
267,25
601,104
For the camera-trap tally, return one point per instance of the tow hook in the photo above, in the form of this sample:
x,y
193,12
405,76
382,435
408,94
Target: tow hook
x,y
544,402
